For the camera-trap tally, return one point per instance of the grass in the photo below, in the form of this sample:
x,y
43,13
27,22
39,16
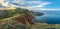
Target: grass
x,y
4,24
3,21
10,23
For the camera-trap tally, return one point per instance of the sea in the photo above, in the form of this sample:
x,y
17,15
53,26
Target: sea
x,y
50,17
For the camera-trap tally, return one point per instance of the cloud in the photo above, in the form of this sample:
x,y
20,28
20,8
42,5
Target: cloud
x,y
1,2
36,7
51,9
31,5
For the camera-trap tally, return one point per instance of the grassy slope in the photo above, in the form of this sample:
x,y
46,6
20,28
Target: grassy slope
x,y
4,23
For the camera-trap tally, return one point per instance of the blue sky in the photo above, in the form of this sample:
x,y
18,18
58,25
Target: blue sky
x,y
54,3
36,4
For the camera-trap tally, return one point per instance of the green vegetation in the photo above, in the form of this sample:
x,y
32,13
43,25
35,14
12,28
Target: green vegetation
x,y
6,18
7,21
10,13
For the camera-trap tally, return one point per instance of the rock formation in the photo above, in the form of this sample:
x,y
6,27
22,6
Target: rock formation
x,y
25,19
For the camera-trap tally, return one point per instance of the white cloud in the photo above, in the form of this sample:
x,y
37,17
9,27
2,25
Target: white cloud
x,y
37,7
31,5
3,3
51,9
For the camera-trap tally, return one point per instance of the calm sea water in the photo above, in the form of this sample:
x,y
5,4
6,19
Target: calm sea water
x,y
50,17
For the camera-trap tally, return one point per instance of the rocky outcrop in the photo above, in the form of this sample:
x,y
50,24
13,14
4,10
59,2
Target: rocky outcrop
x,y
36,13
26,18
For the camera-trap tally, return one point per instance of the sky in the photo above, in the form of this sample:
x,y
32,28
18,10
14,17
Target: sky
x,y
54,4
35,4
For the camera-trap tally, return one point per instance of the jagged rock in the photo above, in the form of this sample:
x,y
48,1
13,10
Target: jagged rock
x,y
39,14
36,13
25,19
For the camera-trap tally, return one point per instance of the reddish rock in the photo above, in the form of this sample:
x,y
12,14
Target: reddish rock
x,y
25,18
